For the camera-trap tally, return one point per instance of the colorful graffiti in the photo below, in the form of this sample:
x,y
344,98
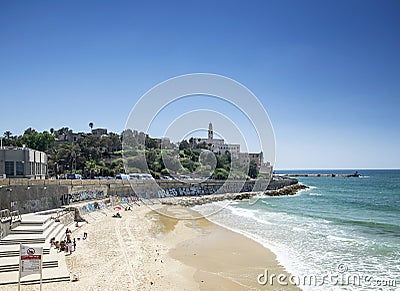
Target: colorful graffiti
x,y
199,190
97,205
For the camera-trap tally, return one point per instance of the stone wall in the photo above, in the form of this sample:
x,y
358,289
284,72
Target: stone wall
x,y
37,195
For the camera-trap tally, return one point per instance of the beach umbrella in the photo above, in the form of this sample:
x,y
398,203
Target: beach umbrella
x,y
117,207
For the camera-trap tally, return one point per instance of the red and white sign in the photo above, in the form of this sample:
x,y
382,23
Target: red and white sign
x,y
30,260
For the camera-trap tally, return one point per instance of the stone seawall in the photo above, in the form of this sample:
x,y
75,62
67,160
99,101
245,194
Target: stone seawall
x,y
28,196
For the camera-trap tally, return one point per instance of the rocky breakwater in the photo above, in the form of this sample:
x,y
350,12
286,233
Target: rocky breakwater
x,y
286,190
281,187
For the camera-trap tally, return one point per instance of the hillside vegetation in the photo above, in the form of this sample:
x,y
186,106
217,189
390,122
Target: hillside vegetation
x,y
92,155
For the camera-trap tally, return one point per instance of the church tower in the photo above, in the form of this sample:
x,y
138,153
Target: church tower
x,y
210,131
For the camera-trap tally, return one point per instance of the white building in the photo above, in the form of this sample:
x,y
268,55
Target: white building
x,y
16,162
220,147
217,145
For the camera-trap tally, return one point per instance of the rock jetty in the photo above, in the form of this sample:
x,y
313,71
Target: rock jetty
x,y
190,201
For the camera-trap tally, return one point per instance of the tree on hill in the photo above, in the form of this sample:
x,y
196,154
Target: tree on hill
x,y
91,125
7,134
184,145
102,155
38,141
152,143
220,174
253,170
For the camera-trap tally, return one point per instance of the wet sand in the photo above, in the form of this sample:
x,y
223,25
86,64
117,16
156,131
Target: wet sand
x,y
223,259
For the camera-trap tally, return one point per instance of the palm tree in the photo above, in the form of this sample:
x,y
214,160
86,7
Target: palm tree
x,y
52,130
7,134
91,125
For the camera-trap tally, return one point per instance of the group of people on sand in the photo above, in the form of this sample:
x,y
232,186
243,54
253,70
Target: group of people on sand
x,y
67,245
117,215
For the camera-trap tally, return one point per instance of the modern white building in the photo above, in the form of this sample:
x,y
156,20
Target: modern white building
x,y
22,162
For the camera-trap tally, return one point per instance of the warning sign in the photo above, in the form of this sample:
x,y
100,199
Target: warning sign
x,y
30,260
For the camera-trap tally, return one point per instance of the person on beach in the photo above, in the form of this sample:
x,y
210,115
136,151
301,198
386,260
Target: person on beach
x,y
117,215
52,241
69,246
85,235
68,233
62,246
74,244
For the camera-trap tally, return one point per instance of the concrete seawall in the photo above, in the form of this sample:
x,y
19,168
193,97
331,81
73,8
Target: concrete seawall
x,y
36,195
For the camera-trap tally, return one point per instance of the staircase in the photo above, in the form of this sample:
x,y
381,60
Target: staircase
x,y
34,230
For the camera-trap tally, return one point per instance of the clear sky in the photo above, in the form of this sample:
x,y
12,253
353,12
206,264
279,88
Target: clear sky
x,y
327,72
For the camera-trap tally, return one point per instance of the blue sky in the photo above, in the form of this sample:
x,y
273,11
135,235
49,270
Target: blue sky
x,y
327,72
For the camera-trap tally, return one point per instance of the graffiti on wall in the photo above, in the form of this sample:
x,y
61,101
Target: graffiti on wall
x,y
81,196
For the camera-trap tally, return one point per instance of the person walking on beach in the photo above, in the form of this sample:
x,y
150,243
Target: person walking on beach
x,y
74,244
70,247
68,233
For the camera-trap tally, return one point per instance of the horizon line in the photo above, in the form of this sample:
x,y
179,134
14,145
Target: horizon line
x,y
326,169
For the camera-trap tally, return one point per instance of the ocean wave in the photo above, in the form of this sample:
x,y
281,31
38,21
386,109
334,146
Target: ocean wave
x,y
315,194
263,201
299,229
343,239
313,241
248,214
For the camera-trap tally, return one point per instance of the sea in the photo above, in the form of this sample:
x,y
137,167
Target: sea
x,y
340,234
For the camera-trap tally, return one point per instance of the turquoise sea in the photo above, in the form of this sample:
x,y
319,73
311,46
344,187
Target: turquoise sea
x,y
345,228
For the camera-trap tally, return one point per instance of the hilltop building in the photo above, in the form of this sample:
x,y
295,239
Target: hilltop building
x,y
67,135
22,162
99,131
219,146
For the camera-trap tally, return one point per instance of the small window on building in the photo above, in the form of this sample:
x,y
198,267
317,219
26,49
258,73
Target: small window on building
x,y
19,167
9,168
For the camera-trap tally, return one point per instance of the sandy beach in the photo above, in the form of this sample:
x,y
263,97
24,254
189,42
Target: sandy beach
x,y
147,250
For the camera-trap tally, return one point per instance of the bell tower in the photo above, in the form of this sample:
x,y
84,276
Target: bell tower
x,y
210,131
